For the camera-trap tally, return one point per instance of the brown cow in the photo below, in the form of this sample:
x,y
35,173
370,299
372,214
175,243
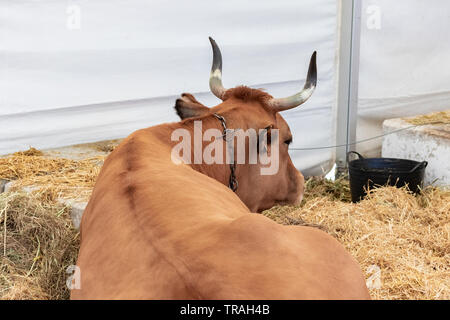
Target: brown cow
x,y
155,229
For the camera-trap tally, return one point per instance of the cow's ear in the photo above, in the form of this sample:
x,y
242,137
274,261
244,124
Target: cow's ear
x,y
188,107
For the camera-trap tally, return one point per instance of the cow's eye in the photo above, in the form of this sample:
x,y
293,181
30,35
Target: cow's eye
x,y
288,141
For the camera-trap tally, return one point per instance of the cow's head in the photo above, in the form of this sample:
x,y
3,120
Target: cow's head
x,y
245,108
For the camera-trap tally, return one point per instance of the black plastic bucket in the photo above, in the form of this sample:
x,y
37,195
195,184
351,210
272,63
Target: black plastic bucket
x,y
370,173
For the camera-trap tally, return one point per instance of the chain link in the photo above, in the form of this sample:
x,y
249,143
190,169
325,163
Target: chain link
x,y
227,135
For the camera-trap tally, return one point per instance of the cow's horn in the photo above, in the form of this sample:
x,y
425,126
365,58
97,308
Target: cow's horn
x,y
215,79
301,97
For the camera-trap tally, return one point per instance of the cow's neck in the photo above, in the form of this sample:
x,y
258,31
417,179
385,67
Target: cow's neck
x,y
220,172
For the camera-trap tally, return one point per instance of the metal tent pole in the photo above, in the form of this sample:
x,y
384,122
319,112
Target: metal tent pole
x,y
348,76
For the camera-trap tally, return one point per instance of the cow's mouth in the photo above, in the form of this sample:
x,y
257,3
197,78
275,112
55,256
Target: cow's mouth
x,y
274,204
286,202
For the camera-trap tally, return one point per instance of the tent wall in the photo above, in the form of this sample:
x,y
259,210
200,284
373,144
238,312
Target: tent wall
x,y
81,71
404,65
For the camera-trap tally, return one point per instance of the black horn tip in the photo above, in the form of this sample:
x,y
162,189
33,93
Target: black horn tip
x,y
217,55
311,79
213,42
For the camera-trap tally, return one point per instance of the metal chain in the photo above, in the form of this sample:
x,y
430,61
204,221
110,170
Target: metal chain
x,y
227,135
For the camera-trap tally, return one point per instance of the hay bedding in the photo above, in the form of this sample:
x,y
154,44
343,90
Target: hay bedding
x,y
38,243
59,177
406,238
442,117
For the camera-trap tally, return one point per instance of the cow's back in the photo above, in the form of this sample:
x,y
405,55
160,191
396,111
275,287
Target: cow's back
x,y
116,259
154,230
125,252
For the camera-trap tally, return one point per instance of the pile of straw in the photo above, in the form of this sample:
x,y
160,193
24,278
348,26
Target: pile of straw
x,y
58,177
37,244
442,117
405,238
402,237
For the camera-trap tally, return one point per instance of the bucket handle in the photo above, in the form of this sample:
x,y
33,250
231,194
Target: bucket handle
x,y
419,165
354,152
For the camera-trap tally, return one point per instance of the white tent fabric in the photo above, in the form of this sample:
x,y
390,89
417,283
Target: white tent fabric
x,y
404,67
87,70
81,71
